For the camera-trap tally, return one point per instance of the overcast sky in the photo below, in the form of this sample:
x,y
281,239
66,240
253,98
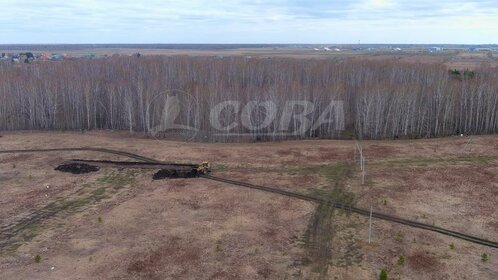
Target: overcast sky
x,y
246,21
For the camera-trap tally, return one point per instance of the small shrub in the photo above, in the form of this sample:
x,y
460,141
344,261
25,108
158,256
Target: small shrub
x,y
99,219
37,259
469,74
452,246
14,165
383,275
401,261
399,237
298,274
455,72
384,202
484,258
219,248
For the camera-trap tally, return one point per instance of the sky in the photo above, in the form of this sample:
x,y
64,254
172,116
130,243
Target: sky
x,y
246,21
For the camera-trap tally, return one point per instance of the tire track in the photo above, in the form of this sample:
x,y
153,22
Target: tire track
x,y
345,207
363,212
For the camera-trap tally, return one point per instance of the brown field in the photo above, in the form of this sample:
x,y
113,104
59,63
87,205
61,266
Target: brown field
x,y
453,58
121,224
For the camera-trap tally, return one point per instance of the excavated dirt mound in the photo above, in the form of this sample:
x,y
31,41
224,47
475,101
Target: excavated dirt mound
x,y
167,173
77,168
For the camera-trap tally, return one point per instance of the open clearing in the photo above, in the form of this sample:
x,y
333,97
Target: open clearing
x,y
453,58
121,224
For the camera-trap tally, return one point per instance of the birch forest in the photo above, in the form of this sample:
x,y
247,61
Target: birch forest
x,y
381,99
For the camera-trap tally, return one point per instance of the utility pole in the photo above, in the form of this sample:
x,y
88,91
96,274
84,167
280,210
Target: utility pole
x,y
362,161
370,227
468,143
362,170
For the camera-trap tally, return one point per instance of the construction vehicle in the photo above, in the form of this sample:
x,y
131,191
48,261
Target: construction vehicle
x,y
204,168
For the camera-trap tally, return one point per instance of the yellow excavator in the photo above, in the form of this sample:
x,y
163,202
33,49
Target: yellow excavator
x,y
204,168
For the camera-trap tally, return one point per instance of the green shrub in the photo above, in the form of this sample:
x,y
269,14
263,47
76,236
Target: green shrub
x,y
484,258
37,259
383,275
469,74
455,72
401,261
452,246
399,237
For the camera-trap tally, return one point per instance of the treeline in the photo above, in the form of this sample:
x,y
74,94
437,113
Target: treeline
x,y
380,99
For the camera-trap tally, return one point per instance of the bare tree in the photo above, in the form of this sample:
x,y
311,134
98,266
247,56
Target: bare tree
x,y
382,99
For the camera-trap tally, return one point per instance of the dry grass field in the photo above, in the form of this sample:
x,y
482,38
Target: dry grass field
x,y
452,58
121,224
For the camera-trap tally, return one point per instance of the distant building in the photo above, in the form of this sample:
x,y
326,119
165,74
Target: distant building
x,y
56,56
88,56
44,56
435,49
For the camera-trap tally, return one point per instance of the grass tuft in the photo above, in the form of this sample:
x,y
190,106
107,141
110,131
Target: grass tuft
x,y
118,180
401,261
383,274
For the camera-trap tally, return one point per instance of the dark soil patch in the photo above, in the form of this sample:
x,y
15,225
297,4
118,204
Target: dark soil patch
x,y
174,174
137,267
158,263
77,168
421,261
